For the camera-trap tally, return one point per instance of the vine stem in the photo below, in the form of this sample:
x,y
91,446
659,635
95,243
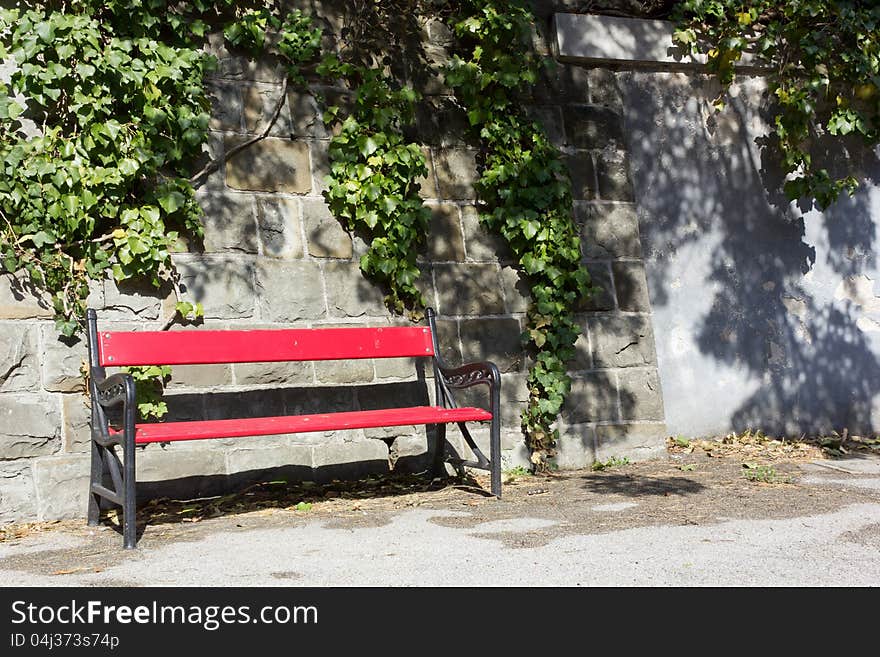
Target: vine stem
x,y
215,163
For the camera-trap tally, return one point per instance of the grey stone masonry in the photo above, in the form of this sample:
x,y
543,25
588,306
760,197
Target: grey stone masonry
x,y
274,256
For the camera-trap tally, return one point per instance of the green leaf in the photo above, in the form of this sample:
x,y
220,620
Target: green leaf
x,y
172,201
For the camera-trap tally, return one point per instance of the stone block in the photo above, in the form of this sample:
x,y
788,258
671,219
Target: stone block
x,y
224,285
270,165
584,185
516,457
158,463
328,399
259,105
480,243
517,294
497,340
593,398
612,172
576,447
397,368
593,127
18,300
514,399
132,300
320,154
634,441
344,371
200,376
289,291
604,89
469,289
609,231
226,105
350,293
18,500
361,457
76,417
214,181
229,222
260,457
562,82
439,122
474,396
62,360
438,33
279,226
511,438
19,359
221,405
445,242
282,373
549,118
388,395
602,297
631,285
425,284
62,484
184,407
456,173
306,116
622,341
641,397
30,425
234,67
583,354
428,184
408,447
325,236
449,342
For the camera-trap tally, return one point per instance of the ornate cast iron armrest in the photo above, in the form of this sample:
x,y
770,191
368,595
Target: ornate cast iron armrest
x,y
114,389
471,374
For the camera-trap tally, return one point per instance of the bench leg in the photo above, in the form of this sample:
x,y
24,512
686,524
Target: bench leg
x,y
94,511
495,454
129,499
440,453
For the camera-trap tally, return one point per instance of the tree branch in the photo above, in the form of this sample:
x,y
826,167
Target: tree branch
x,y
214,164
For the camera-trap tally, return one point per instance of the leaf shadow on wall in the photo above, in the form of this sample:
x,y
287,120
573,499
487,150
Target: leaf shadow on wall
x,y
774,318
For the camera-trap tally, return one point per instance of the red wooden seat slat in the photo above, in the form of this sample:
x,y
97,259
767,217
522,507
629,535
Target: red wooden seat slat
x,y
268,345
264,426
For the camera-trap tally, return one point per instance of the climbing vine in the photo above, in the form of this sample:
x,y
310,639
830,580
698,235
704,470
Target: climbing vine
x,y
372,186
823,60
525,193
103,117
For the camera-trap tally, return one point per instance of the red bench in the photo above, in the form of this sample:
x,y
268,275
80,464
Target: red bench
x,y
114,479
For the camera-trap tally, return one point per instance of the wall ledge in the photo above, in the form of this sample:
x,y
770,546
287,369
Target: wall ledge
x,y
594,40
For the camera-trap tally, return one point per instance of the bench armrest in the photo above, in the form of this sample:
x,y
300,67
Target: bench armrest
x,y
470,374
116,388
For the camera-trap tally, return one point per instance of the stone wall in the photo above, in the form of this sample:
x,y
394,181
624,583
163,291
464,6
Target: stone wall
x,y
766,313
274,257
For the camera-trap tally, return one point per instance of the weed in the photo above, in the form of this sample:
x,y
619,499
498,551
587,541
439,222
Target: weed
x,y
518,471
681,441
613,462
303,506
688,468
764,473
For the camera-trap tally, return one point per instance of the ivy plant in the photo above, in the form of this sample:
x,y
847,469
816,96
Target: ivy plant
x,y
823,71
102,118
525,195
373,183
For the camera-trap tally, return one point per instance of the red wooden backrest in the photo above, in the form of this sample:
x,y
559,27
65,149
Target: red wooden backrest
x,y
196,347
